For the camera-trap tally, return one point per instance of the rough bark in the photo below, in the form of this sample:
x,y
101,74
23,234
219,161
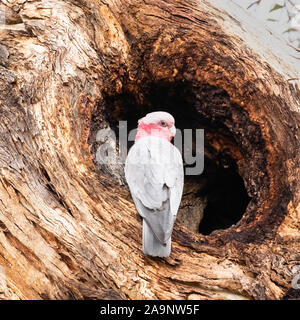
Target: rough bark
x,y
68,229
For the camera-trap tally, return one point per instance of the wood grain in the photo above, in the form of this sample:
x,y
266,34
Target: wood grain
x,y
68,230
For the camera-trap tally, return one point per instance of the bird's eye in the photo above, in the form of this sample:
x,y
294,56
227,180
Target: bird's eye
x,y
163,123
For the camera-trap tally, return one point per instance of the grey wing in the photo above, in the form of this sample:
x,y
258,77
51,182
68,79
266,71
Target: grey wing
x,y
156,186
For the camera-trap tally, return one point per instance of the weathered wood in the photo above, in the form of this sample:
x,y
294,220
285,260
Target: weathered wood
x,y
68,68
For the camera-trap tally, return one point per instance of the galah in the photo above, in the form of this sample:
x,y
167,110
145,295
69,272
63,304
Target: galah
x,y
154,173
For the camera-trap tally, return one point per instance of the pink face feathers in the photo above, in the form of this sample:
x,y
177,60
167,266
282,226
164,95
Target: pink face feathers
x,y
156,124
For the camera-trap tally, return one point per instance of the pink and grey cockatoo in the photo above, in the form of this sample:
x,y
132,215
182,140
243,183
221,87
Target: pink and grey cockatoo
x,y
154,173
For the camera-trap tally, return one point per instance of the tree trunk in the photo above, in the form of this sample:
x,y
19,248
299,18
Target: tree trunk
x,y
68,226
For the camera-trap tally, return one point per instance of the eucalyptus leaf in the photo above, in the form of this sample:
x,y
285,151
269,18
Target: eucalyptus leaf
x,y
291,30
276,7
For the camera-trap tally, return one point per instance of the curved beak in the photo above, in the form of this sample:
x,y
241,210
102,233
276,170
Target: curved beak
x,y
173,131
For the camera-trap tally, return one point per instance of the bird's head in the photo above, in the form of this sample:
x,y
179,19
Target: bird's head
x,y
159,124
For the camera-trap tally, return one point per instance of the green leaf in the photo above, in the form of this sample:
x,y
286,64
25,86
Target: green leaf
x,y
273,20
290,30
276,7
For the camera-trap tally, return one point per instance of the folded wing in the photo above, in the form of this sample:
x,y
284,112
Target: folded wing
x,y
154,173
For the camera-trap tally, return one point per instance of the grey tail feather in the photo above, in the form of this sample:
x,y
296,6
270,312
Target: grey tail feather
x,y
152,246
